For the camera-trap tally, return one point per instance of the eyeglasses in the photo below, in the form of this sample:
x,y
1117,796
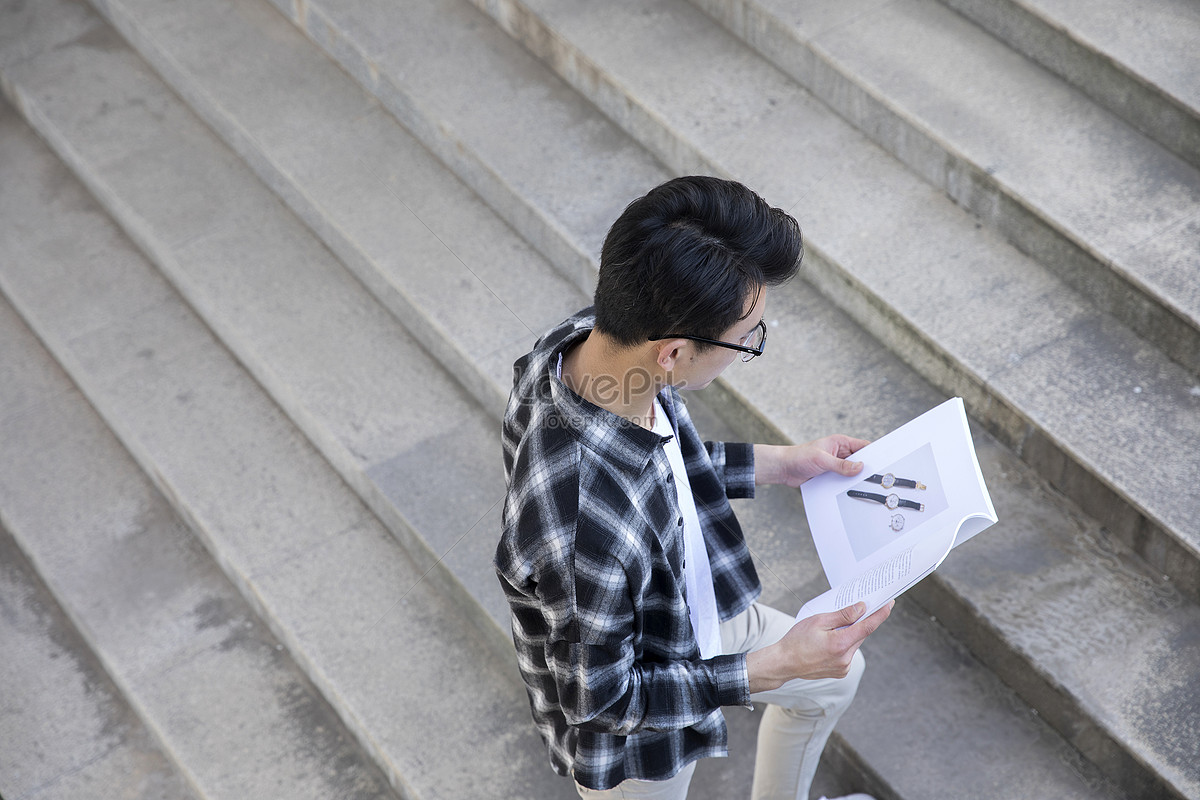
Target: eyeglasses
x,y
751,346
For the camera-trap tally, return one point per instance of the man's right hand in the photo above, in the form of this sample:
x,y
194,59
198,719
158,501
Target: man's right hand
x,y
820,646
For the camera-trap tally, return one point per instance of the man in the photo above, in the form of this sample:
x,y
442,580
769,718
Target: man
x,y
632,591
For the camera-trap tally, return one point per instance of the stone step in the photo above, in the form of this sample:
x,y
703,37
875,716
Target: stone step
x,y
1071,184
1137,61
85,104
414,681
473,114
193,671
1006,736
1055,379
459,279
65,730
1072,714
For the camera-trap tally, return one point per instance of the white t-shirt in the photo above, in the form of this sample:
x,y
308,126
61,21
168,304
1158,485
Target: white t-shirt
x,y
697,572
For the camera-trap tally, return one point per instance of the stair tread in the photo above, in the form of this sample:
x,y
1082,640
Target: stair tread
x,y
467,111
385,654
1142,63
234,713
1132,206
424,244
1157,43
65,730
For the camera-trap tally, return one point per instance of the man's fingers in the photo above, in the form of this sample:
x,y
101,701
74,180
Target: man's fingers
x,y
856,444
847,446
841,445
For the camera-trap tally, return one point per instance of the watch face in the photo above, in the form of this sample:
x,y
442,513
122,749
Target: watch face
x,y
893,501
889,480
897,522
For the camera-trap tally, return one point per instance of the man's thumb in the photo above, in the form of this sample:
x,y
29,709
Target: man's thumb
x,y
844,466
851,614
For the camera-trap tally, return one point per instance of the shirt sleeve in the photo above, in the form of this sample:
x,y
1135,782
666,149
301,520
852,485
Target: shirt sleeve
x,y
734,465
602,684
605,694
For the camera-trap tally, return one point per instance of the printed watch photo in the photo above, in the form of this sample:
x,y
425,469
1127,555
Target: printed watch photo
x,y
888,480
891,501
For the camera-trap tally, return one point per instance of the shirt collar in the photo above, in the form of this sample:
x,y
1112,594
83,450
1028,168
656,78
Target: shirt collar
x,y
597,428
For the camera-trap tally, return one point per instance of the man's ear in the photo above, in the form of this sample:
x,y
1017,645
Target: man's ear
x,y
669,353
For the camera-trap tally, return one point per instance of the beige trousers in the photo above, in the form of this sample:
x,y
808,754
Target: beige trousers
x,y
799,717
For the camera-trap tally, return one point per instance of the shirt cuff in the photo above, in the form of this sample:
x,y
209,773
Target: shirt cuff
x,y
739,470
732,679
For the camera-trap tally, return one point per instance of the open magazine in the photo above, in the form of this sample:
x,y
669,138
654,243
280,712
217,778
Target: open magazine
x,y
919,495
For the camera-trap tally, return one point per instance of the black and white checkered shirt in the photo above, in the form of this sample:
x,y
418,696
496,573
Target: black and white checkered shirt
x,y
591,562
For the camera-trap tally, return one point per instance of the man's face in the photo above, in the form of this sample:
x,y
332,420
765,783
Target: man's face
x,y
695,370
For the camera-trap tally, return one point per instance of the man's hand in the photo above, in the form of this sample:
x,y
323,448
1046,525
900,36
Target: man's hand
x,y
820,646
794,464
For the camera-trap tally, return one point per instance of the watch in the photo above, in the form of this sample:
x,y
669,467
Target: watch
x,y
897,523
888,480
892,501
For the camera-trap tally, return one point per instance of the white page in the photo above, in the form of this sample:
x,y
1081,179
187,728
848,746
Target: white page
x,y
869,554
887,579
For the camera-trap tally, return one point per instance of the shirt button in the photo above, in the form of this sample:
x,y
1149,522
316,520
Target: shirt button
x,y
679,521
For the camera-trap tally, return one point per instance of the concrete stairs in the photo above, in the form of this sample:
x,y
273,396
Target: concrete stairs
x,y
135,668
268,266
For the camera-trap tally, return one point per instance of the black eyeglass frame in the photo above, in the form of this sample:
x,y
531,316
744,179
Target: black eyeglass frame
x,y
751,352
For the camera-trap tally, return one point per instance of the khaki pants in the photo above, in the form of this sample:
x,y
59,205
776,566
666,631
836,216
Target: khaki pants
x,y
799,717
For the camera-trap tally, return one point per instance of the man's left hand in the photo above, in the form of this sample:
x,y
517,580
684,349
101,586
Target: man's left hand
x,y
794,464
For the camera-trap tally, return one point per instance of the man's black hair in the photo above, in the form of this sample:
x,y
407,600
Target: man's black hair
x,y
688,256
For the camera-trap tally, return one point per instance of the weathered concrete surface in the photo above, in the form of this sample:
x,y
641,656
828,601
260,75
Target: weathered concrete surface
x,y
474,114
424,244
393,657
214,688
65,730
1088,196
1141,63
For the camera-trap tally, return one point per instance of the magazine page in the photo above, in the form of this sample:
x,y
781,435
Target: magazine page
x,y
920,494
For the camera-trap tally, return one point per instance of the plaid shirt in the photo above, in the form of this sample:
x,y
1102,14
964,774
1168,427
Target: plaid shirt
x,y
590,560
